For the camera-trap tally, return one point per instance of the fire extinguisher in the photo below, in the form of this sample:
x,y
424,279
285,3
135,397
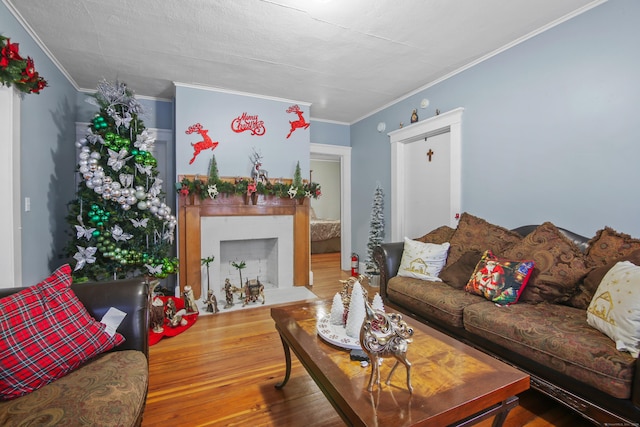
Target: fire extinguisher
x,y
355,264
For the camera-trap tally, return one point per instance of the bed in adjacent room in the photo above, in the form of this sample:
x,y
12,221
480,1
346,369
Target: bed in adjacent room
x,y
325,234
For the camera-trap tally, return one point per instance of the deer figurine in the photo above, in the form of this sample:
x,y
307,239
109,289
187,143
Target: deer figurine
x,y
301,123
385,335
205,144
258,174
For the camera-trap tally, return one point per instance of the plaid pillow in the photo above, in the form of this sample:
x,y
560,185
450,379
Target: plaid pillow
x,y
46,332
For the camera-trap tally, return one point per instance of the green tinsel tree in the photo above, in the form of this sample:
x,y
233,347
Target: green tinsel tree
x,y
121,225
376,229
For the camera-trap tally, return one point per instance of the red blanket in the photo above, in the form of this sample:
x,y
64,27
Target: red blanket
x,y
168,330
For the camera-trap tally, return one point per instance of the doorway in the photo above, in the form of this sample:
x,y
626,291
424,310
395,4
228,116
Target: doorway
x,y
342,155
426,168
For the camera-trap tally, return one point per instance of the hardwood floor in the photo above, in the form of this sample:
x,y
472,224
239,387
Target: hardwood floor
x,y
222,372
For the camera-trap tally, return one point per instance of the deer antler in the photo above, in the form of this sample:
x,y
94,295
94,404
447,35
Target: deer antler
x,y
195,128
293,109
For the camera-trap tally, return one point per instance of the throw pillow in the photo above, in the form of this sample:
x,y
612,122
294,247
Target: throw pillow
x,y
560,264
457,274
592,280
422,260
608,245
46,332
499,280
476,234
615,307
440,235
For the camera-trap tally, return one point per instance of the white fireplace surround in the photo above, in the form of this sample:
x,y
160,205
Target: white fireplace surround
x,y
216,230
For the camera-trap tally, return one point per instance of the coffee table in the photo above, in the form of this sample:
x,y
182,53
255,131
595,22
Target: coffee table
x,y
453,383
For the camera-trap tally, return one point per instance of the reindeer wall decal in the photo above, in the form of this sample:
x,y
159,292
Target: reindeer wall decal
x,y
301,123
205,144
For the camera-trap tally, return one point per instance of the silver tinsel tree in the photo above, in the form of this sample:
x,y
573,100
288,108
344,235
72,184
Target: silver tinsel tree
x,y
376,229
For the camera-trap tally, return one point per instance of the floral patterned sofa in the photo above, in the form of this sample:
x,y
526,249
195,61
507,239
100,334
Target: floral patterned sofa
x,y
107,389
546,332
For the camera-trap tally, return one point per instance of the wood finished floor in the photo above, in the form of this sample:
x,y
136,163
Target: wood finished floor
x,y
222,372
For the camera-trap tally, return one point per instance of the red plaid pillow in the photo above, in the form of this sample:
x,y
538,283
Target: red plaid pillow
x,y
46,332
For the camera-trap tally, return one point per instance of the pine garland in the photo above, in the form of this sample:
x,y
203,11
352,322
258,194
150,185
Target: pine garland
x,y
17,71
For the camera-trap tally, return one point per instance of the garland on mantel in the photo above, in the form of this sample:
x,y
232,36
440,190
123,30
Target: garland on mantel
x,y
17,71
211,186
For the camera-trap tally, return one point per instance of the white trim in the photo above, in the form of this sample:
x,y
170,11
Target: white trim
x,y
235,92
344,154
487,56
451,121
10,219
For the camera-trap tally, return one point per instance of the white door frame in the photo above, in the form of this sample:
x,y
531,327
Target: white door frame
x,y
10,192
344,155
450,121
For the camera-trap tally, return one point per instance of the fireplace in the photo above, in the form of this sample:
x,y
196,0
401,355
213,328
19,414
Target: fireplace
x,y
264,243
231,216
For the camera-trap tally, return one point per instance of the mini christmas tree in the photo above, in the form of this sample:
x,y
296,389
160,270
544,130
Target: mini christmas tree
x,y
376,230
356,312
122,226
337,310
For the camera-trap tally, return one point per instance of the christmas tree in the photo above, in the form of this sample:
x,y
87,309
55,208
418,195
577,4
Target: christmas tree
x,y
120,223
376,229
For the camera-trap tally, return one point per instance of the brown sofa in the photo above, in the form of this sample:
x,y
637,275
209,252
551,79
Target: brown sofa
x,y
109,390
546,333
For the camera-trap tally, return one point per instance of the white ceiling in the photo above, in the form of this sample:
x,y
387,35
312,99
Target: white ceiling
x,y
347,58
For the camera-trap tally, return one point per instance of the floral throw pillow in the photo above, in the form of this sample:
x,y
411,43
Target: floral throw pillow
x,y
423,260
499,280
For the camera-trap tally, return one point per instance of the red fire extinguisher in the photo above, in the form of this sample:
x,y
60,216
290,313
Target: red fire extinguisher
x,y
355,264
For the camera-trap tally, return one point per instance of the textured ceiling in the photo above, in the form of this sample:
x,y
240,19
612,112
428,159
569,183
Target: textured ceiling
x,y
345,57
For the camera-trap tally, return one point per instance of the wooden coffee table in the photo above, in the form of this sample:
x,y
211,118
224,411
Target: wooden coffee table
x,y
453,383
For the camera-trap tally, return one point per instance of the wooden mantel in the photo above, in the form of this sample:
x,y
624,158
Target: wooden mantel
x,y
191,209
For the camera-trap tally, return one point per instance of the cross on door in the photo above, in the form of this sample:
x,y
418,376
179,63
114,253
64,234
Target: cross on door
x,y
430,153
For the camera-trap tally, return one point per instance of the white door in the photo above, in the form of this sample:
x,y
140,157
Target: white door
x,y
427,184
426,194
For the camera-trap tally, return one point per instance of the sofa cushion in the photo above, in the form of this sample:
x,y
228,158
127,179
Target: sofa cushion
x,y
108,391
608,246
615,307
422,260
556,336
582,298
499,280
560,265
437,300
476,234
439,235
457,274
45,333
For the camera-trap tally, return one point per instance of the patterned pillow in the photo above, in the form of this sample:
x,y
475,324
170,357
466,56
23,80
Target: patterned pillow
x,y
422,260
46,332
476,234
608,245
439,236
499,280
560,264
592,280
615,307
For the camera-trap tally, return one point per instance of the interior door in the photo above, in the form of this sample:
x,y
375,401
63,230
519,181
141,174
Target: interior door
x,y
427,184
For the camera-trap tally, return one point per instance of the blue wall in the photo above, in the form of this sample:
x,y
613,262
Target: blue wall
x,y
47,158
330,133
549,130
216,110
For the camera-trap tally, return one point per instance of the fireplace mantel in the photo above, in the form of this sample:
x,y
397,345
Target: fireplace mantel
x,y
191,209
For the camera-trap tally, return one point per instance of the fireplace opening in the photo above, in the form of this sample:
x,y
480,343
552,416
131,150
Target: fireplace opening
x,y
259,255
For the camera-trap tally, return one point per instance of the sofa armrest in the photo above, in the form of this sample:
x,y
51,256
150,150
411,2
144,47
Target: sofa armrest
x,y
635,387
387,256
130,296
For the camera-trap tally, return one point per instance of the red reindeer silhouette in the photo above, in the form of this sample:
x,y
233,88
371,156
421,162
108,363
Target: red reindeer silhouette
x,y
301,123
205,144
